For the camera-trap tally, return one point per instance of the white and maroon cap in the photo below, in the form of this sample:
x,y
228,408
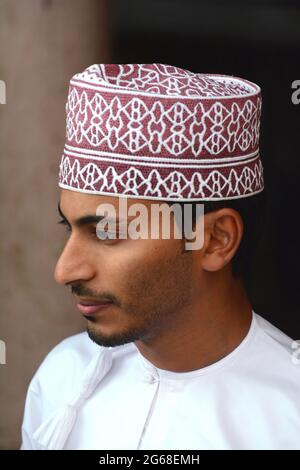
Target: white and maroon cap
x,y
156,131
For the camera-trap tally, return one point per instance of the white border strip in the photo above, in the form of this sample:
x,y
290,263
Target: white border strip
x,y
69,149
164,165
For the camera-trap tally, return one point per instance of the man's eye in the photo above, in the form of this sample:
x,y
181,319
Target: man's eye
x,y
103,235
65,223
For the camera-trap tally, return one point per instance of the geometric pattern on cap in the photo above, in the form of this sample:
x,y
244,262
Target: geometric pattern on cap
x,y
157,127
158,131
90,178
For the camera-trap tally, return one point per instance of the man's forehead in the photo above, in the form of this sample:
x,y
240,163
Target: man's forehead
x,y
74,204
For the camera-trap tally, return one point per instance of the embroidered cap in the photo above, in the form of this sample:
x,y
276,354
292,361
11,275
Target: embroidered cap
x,y
156,131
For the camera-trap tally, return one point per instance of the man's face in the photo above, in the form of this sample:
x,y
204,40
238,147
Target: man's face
x,y
149,281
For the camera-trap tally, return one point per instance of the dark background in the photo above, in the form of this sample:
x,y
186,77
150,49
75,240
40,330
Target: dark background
x,y
260,41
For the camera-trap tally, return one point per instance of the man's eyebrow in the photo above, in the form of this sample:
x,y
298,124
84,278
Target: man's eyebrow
x,y
86,219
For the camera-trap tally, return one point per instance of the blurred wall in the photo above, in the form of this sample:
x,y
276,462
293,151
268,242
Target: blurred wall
x,y
42,44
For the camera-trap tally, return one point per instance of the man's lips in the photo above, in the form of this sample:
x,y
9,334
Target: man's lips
x,y
88,307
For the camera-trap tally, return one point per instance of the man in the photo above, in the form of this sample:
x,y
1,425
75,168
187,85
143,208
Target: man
x,y
174,356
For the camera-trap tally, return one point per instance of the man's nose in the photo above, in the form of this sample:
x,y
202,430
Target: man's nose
x,y
74,264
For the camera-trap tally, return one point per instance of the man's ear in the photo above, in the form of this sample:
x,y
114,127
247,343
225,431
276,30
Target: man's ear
x,y
223,231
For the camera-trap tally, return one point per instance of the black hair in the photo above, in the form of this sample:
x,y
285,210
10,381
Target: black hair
x,y
252,212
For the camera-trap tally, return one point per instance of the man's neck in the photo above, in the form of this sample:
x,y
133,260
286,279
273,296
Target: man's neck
x,y
204,333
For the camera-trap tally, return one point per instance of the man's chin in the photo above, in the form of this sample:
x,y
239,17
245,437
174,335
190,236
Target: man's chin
x,y
110,340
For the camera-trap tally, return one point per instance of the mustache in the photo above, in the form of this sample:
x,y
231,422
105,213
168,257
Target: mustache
x,y
82,291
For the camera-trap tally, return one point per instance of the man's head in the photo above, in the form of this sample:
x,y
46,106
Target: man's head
x,y
154,133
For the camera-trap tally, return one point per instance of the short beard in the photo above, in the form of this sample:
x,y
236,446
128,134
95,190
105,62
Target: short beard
x,y
152,328
163,311
135,334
